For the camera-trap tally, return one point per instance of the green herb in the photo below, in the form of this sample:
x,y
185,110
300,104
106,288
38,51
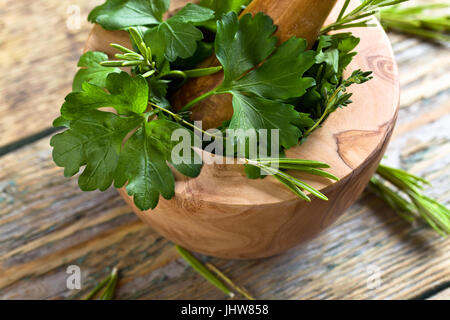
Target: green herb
x,y
92,71
221,8
287,88
178,34
109,283
228,281
276,167
404,195
360,16
94,139
339,97
203,271
257,93
416,21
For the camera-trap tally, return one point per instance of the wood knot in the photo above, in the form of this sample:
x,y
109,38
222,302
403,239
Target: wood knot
x,y
382,67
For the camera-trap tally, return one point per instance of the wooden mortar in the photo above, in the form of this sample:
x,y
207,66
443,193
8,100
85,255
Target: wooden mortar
x,y
216,109
222,213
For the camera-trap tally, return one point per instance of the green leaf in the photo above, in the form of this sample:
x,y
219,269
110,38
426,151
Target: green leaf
x,y
91,71
94,141
180,39
127,95
258,113
281,76
149,150
192,13
121,14
148,176
242,45
160,133
222,7
257,74
177,37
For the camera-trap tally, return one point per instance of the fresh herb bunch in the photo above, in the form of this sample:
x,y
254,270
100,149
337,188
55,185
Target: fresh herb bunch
x,y
288,88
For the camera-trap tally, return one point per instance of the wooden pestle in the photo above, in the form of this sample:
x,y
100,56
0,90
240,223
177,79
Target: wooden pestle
x,y
300,18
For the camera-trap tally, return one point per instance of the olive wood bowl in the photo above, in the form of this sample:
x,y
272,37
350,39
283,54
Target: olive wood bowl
x,y
222,213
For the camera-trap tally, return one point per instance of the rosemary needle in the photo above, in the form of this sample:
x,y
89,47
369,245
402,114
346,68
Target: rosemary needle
x,y
204,271
241,290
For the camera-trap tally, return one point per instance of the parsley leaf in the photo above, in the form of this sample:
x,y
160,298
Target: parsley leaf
x,y
280,77
126,94
178,34
259,75
258,113
222,7
94,141
242,45
121,14
92,71
149,150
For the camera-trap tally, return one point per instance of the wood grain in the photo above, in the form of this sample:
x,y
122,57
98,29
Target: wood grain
x,y
222,213
40,43
98,231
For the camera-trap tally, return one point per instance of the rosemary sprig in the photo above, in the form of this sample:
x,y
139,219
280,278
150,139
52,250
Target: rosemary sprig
x,y
227,280
404,195
275,167
109,283
360,16
143,60
416,21
204,271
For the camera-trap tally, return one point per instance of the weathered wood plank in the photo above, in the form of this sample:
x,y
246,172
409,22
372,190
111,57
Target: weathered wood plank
x,y
46,224
40,44
443,295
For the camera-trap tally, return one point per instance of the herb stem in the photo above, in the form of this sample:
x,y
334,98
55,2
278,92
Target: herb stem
x,y
189,106
177,117
228,281
203,270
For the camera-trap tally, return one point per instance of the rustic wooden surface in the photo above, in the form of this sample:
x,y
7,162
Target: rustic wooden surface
x,y
47,224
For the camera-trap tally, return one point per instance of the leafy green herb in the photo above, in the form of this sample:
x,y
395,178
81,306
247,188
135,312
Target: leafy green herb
x,y
257,90
121,14
92,71
96,139
416,21
221,8
339,97
404,195
149,150
177,34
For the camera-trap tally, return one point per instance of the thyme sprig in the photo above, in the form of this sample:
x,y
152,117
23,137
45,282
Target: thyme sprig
x,y
404,194
360,16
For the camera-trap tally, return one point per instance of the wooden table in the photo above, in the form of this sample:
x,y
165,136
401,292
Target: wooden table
x,y
47,223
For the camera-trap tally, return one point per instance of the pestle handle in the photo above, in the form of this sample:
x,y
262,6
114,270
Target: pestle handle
x,y
300,18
